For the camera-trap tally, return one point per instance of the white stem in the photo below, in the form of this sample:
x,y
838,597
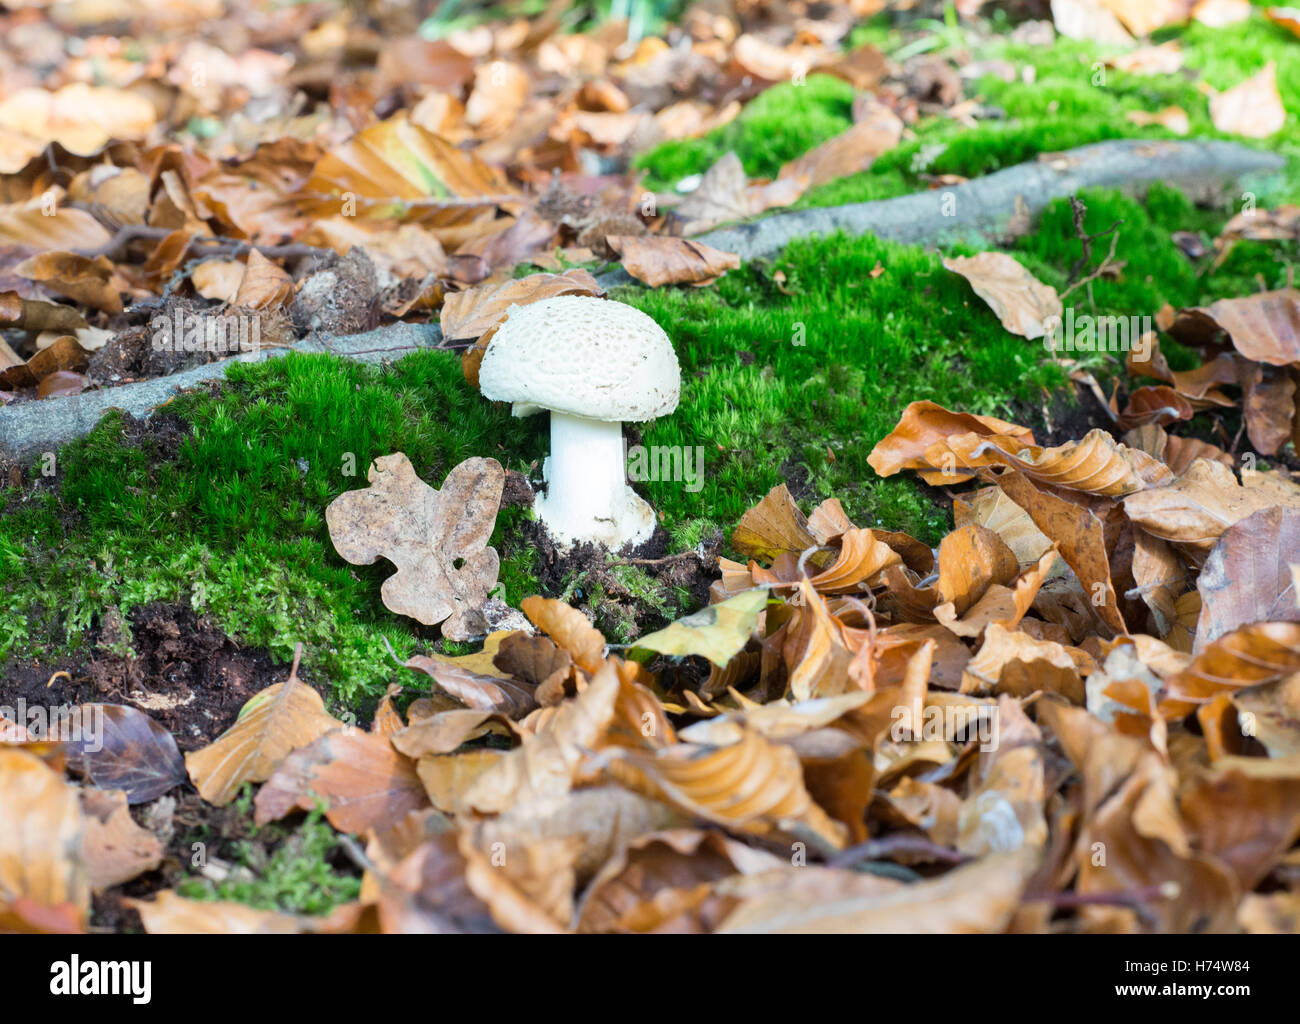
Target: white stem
x,y
587,497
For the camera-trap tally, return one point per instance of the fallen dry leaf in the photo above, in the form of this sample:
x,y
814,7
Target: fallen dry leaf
x,y
272,725
1253,108
1024,304
437,539
659,260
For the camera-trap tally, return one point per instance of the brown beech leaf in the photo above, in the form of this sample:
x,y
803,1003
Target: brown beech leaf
x,y
1263,327
923,424
1277,913
724,195
480,692
850,152
1178,453
1243,580
660,259
364,782
654,882
1198,506
1247,814
169,914
991,508
1024,304
1097,464
569,628
1160,404
1252,108
1275,711
972,559
703,781
41,843
1080,537
116,849
1173,118
772,526
1269,405
545,764
1159,577
1001,605
817,649
1005,811
1263,652
396,168
264,284
975,898
445,731
861,562
273,724
437,539
1015,663
1146,846
132,753
80,278
476,311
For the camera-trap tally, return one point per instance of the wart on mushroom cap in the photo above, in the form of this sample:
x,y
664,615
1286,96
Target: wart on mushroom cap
x,y
592,363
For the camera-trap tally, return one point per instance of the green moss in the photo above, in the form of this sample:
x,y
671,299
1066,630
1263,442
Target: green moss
x,y
778,125
1069,101
296,877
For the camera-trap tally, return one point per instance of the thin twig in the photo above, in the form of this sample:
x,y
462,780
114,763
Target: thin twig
x,y
877,849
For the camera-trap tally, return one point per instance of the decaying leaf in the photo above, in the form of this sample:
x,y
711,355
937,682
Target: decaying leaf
x,y
272,725
716,632
660,260
1024,304
437,539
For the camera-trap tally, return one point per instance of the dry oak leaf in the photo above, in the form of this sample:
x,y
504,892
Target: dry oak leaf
x,y
976,898
115,848
1252,108
41,856
365,782
1097,464
1024,304
273,724
426,533
752,786
922,425
546,763
851,152
1243,580
1198,506
1263,652
476,311
659,260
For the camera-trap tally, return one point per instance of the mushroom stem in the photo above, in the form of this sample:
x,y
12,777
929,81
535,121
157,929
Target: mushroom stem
x,y
587,497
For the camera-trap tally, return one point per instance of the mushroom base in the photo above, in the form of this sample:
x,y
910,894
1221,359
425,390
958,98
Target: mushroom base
x,y
587,497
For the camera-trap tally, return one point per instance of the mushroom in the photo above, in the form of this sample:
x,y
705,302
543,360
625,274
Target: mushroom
x,y
592,363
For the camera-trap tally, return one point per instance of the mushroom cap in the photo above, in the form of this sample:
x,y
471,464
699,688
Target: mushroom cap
x,y
583,356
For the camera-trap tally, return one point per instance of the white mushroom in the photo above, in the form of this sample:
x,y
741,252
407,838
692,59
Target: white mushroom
x,y
592,363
